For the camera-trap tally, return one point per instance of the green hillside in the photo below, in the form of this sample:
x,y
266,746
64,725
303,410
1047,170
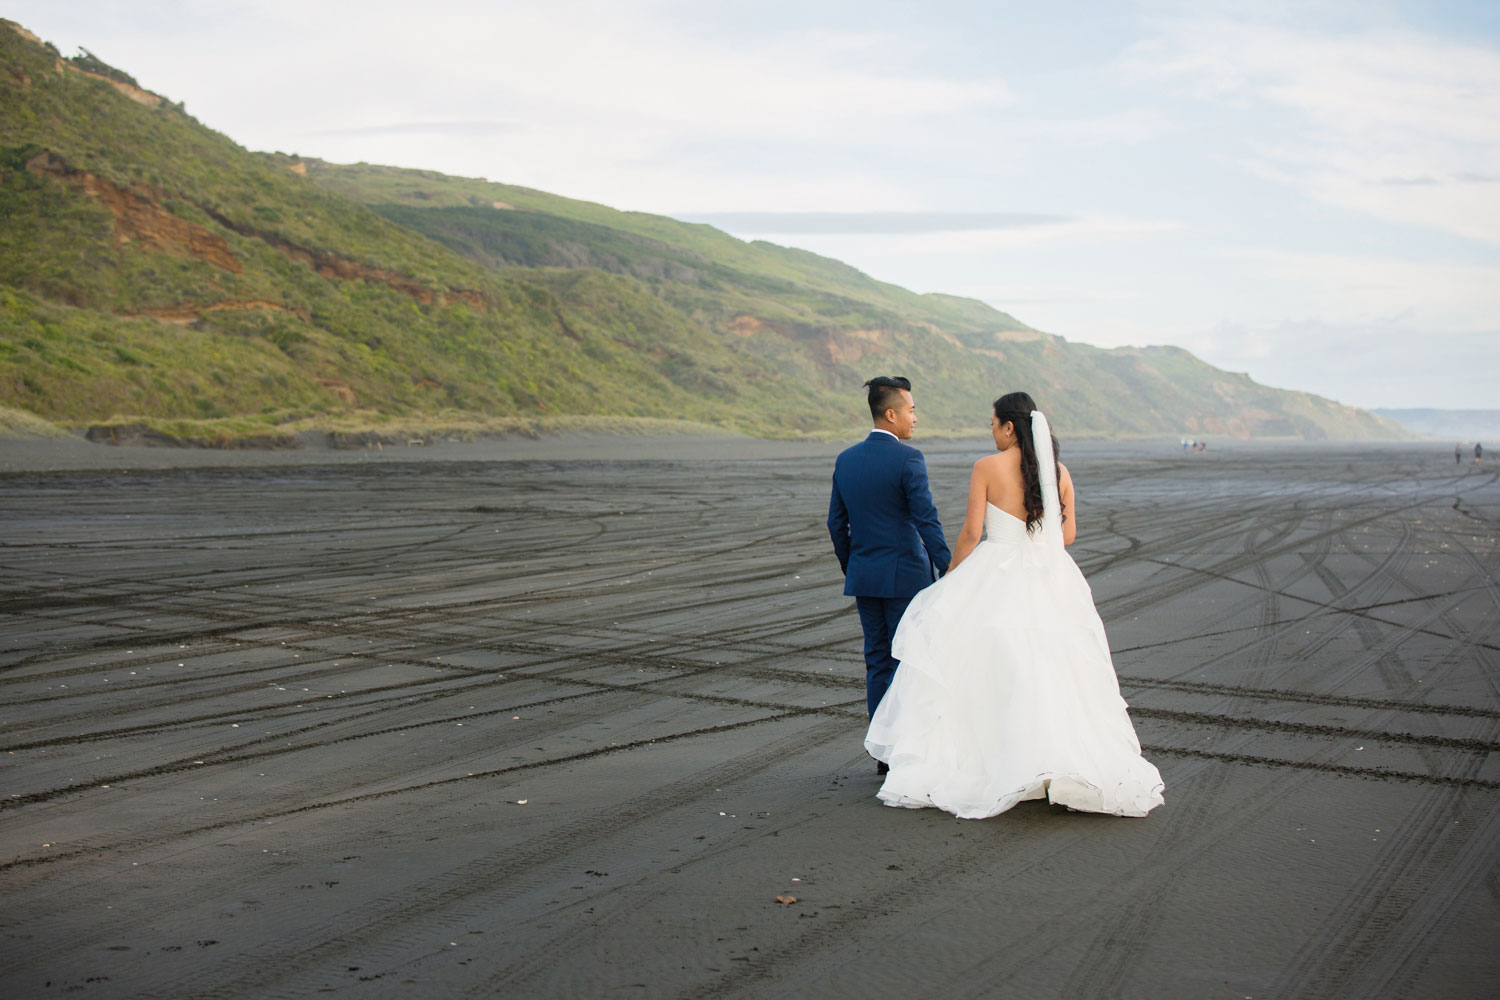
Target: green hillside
x,y
152,269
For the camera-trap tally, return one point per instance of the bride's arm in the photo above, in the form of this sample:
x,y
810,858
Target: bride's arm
x,y
1069,506
973,527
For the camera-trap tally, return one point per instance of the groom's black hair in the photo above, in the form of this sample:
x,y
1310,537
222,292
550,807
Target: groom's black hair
x,y
885,393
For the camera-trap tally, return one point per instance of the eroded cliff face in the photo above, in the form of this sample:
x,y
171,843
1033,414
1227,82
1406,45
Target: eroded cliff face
x,y
139,214
830,346
137,94
331,266
131,91
141,218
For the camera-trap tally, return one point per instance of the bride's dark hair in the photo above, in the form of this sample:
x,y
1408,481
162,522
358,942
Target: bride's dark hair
x,y
1015,408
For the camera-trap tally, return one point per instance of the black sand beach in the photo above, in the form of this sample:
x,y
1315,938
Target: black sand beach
x,y
568,724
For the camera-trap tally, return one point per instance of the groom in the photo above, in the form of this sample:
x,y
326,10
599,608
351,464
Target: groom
x,y
885,529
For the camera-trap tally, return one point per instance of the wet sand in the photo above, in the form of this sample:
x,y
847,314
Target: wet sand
x,y
568,724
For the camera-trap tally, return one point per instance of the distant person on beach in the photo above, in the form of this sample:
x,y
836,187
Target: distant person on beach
x,y
1006,690
885,529
1478,452
1458,452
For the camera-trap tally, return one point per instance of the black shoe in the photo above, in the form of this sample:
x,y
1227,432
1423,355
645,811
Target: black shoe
x,y
881,767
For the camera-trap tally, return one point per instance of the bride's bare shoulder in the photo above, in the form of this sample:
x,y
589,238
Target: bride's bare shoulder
x,y
999,459
992,465
1002,462
999,472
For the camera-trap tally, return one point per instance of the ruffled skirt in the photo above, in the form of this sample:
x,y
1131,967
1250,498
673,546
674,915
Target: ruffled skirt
x,y
1006,692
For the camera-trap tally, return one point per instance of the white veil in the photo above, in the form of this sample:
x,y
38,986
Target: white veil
x,y
1046,467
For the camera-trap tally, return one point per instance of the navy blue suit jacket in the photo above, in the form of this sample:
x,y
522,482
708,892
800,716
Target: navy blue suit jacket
x,y
884,527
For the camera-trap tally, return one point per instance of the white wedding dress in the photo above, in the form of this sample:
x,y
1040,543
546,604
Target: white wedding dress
x,y
1006,691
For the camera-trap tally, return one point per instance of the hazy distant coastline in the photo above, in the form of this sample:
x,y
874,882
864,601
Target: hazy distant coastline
x,y
1466,425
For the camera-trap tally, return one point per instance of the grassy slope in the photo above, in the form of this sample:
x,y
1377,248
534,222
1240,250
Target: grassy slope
x,y
76,347
759,263
718,278
368,290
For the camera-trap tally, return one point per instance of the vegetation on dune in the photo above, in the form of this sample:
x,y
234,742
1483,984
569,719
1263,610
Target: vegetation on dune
x,y
20,424
153,273
636,238
351,430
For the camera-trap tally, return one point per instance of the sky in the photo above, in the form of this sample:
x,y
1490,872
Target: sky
x,y
1305,191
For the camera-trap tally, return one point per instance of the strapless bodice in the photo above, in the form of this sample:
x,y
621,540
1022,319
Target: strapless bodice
x,y
1004,527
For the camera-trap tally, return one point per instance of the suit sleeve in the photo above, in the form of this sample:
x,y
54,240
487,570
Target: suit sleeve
x,y
923,513
838,526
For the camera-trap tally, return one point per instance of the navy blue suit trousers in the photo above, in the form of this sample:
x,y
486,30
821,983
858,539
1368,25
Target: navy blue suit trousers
x,y
888,540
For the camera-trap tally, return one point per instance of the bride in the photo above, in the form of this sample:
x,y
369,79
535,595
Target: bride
x,y
1006,690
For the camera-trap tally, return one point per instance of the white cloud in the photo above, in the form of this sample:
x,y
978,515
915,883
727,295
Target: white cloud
x,y
1387,361
1368,108
620,67
1355,289
1086,132
1079,232
467,129
1365,330
885,223
589,99
1008,295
